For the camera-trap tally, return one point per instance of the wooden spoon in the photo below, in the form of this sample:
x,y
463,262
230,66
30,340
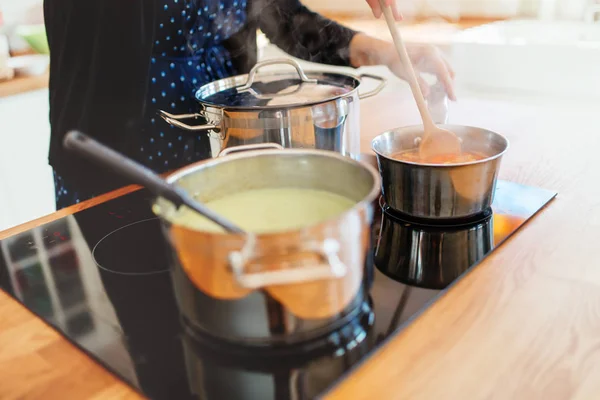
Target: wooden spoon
x,y
435,141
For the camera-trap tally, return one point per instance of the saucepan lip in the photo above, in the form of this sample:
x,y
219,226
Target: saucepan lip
x,y
376,147
365,203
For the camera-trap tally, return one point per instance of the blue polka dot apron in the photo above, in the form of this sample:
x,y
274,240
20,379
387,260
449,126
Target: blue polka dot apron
x,y
188,52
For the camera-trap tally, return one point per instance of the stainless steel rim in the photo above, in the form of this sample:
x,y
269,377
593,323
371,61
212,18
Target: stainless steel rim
x,y
241,82
231,83
365,202
483,161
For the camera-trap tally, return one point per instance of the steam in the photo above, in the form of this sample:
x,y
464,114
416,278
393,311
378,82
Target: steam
x,y
302,33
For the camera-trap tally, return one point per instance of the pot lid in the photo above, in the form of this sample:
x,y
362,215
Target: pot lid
x,y
276,90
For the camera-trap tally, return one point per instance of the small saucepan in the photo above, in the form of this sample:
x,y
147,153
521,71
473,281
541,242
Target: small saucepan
x,y
439,191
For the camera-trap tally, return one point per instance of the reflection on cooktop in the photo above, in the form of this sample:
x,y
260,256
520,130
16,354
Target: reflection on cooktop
x,y
431,256
223,371
125,250
101,277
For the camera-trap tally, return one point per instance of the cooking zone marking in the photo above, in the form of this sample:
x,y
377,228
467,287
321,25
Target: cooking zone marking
x,y
94,251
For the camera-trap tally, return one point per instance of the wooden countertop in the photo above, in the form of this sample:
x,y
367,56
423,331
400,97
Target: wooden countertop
x,y
36,361
523,325
23,84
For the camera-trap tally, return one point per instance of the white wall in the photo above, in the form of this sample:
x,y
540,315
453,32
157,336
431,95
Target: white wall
x,y
26,183
16,10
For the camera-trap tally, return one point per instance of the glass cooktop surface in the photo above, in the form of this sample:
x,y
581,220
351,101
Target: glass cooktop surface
x,y
103,278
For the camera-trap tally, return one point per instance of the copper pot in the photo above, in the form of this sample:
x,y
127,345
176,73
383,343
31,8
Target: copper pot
x,y
314,274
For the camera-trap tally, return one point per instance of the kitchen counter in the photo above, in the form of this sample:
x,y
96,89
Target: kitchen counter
x,y
23,84
522,325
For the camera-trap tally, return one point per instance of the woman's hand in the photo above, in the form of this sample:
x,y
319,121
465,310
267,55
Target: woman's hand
x,y
365,50
376,8
428,59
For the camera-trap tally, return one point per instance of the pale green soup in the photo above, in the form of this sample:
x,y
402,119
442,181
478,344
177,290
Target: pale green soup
x,y
269,210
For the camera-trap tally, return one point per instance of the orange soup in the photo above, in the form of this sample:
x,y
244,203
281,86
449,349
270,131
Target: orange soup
x,y
443,159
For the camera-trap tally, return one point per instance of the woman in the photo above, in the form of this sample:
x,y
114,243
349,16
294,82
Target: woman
x,y
115,63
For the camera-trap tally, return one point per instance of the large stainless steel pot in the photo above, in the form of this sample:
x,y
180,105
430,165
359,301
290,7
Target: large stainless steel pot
x,y
282,287
439,191
312,110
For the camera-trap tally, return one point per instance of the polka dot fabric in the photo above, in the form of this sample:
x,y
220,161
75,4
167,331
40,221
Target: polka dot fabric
x,y
188,53
65,195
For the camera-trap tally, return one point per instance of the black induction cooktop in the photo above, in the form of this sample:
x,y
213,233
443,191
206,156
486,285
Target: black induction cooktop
x,y
103,278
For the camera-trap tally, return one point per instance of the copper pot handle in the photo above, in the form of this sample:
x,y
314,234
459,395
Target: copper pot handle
x,y
250,147
330,267
276,61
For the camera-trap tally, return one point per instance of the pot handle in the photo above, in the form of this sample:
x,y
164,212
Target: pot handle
x,y
250,147
379,88
277,61
175,121
330,267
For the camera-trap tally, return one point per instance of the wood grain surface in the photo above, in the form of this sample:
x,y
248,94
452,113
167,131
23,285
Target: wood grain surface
x,y
36,361
525,324
23,84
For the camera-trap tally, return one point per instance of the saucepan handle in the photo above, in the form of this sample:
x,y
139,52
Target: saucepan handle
x,y
379,88
250,147
277,61
329,267
175,120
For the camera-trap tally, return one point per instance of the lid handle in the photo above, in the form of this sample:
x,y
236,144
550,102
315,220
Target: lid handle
x,y
277,61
